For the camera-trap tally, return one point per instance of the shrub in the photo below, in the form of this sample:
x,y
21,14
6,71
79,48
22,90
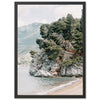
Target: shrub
x,y
53,51
32,53
55,38
67,63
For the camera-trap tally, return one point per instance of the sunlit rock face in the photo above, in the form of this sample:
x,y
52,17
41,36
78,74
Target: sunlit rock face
x,y
41,66
71,71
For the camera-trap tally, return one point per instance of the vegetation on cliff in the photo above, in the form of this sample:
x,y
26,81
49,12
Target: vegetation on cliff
x,y
32,53
64,35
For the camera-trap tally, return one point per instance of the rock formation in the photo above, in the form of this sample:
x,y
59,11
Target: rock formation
x,y
41,66
61,49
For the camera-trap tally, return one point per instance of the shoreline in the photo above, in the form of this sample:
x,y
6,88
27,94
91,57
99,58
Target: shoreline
x,y
71,88
74,87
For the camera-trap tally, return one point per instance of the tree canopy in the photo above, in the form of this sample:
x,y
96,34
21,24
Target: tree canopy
x,y
70,29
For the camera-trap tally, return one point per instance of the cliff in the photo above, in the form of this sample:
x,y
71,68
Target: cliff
x,y
41,66
61,48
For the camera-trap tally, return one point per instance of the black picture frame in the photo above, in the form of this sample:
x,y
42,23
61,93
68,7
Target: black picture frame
x,y
16,56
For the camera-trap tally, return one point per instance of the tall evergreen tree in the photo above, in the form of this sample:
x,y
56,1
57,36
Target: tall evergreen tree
x,y
44,30
78,38
78,43
69,21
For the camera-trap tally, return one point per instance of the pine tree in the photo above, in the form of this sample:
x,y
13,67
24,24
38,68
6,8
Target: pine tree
x,y
78,42
69,21
44,30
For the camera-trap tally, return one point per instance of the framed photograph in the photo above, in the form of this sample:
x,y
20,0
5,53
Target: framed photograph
x,y
50,50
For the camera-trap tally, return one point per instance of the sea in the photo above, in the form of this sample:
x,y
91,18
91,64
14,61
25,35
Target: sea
x,y
30,85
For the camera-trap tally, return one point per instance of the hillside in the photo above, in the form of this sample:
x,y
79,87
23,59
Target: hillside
x,y
27,36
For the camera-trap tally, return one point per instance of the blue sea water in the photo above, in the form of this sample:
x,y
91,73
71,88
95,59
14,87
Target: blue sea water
x,y
30,85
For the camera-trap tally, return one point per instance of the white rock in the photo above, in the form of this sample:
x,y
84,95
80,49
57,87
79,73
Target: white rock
x,y
71,71
42,73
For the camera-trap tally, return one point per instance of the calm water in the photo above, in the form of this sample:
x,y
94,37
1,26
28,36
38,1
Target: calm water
x,y
30,85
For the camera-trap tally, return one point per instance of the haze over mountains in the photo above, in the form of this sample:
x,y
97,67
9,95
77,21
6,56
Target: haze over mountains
x,y
27,36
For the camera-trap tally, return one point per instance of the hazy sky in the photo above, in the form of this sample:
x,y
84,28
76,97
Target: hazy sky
x,y
28,14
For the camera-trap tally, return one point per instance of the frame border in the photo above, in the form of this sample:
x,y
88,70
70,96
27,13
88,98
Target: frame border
x,y
16,56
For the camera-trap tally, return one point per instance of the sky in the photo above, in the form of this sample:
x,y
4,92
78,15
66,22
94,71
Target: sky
x,y
28,14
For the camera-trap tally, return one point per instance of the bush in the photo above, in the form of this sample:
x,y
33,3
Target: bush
x,y
44,30
78,42
77,60
67,63
39,42
55,38
53,51
32,53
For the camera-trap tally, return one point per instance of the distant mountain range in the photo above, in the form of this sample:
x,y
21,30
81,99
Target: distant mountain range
x,y
27,36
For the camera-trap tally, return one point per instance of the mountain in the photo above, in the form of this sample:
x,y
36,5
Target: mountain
x,y
27,36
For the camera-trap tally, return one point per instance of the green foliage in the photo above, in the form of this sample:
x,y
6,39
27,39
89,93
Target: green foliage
x,y
32,61
67,33
58,27
77,60
53,51
69,21
39,42
44,30
70,29
78,42
50,48
67,63
32,53
72,61
55,38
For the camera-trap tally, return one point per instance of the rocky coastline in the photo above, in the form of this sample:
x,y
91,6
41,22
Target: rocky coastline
x,y
41,66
